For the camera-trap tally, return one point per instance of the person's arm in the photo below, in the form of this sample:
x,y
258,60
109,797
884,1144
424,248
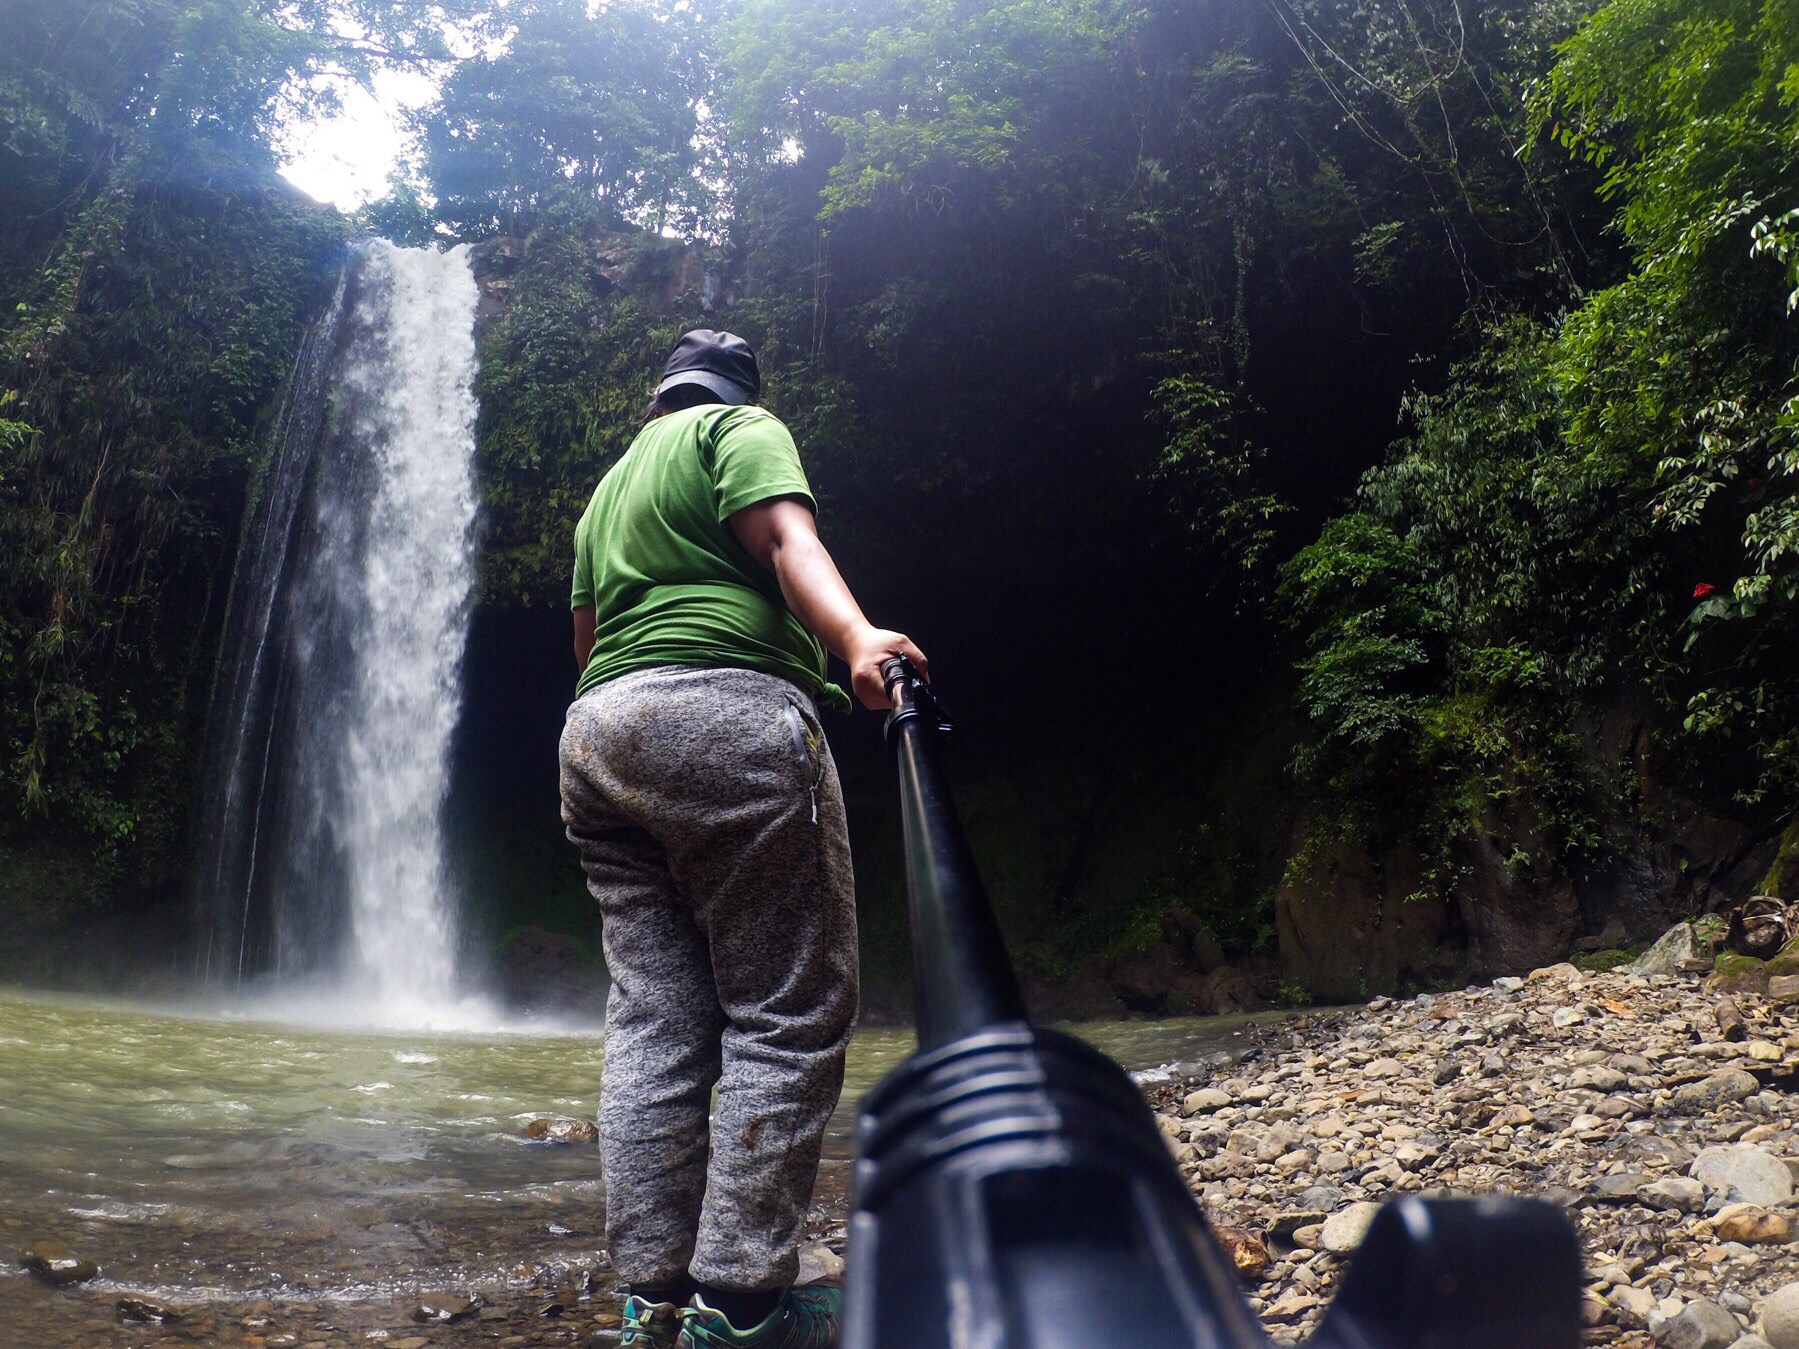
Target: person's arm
x,y
782,536
583,635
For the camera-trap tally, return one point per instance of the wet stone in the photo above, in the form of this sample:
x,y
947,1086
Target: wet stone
x,y
560,1129
146,1309
446,1307
56,1264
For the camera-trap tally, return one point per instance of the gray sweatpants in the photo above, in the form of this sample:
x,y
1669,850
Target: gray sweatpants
x,y
711,827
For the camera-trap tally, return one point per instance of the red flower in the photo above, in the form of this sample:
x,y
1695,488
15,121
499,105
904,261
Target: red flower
x,y
1703,589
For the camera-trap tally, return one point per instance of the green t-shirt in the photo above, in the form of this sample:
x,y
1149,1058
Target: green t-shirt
x,y
669,582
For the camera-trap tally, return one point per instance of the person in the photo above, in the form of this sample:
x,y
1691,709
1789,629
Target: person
x,y
698,785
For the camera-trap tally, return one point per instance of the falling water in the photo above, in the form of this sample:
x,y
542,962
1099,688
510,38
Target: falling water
x,y
340,687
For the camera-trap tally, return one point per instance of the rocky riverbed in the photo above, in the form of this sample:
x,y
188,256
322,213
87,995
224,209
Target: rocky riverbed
x,y
1670,1136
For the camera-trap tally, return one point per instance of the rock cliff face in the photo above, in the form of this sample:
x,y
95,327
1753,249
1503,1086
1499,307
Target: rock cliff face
x,y
1367,915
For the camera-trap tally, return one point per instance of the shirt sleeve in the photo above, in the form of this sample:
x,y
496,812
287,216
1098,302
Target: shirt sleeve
x,y
754,459
583,588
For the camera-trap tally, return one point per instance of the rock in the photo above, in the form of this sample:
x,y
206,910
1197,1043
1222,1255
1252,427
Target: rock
x,y
1205,1101
1227,990
560,1129
447,1307
1285,1223
1619,1189
1750,1342
1780,1317
1508,983
1156,981
56,1264
1744,1173
1783,987
146,1309
817,1262
1679,1193
1722,1088
1752,1226
1344,1230
1703,1325
1633,1305
1596,1078
1382,1068
1563,1017
1560,973
1291,1306
1246,1250
1670,953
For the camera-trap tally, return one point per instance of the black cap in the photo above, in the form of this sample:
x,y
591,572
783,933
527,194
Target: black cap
x,y
721,362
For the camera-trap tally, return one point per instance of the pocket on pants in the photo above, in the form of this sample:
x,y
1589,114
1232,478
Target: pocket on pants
x,y
807,743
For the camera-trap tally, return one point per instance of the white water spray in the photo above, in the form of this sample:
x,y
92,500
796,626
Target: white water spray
x,y
414,382
341,687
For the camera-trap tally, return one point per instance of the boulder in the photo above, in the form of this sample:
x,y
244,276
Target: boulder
x,y
1227,990
1349,927
1744,1174
1670,954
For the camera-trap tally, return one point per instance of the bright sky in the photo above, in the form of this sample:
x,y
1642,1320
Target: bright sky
x,y
346,160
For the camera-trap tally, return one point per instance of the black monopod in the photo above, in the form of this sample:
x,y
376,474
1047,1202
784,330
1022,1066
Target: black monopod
x,y
1012,1190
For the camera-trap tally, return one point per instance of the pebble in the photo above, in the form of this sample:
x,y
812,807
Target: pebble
x,y
1678,1166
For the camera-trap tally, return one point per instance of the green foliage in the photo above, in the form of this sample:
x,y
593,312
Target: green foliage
x,y
166,276
1550,512
564,375
1682,376
1213,466
1486,579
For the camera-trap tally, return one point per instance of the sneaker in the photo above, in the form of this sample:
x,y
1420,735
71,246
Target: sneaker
x,y
807,1318
650,1325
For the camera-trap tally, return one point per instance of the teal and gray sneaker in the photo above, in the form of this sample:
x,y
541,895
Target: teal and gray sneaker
x,y
650,1325
808,1317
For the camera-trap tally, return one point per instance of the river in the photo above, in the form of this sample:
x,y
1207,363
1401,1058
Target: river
x,y
243,1167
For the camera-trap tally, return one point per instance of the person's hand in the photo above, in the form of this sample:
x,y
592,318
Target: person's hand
x,y
871,648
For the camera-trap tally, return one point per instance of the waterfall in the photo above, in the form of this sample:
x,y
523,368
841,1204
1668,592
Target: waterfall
x,y
339,688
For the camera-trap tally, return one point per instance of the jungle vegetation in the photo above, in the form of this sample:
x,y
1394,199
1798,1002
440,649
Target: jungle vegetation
x,y
1391,376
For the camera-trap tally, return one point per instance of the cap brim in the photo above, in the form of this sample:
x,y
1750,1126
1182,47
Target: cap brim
x,y
729,390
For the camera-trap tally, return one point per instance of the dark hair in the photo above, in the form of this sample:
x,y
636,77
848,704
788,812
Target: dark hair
x,y
674,399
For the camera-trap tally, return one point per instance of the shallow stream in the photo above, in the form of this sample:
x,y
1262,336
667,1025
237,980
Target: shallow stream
x,y
220,1159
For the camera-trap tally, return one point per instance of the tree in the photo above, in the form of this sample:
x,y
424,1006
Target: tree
x,y
600,110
